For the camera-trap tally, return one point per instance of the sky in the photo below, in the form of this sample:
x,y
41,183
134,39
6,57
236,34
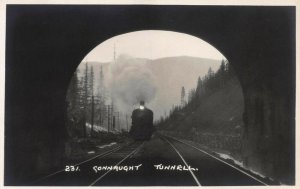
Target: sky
x,y
153,44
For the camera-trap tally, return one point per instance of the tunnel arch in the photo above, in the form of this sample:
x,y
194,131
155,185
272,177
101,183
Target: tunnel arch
x,y
258,41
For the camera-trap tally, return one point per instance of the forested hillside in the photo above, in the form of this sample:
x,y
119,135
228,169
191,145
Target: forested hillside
x,y
213,113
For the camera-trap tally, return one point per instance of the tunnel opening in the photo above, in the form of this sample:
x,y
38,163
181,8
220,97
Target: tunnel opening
x,y
190,86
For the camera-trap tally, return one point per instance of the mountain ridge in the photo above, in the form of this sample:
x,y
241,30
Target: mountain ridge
x,y
157,59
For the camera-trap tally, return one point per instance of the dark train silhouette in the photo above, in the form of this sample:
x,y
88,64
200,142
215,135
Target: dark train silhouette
x,y
142,123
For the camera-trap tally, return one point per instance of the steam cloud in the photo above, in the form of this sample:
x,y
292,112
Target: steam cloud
x,y
131,81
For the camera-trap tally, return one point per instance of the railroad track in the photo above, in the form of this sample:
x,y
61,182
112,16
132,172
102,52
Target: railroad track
x,y
123,155
197,173
204,169
83,173
183,160
180,146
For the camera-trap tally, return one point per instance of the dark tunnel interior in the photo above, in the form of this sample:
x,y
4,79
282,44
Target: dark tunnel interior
x,y
45,44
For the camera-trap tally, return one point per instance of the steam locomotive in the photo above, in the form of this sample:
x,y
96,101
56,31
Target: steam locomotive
x,y
142,123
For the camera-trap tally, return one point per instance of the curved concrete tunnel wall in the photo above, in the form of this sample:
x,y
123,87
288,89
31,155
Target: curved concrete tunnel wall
x,y
45,44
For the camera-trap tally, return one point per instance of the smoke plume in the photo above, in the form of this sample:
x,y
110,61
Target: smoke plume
x,y
131,81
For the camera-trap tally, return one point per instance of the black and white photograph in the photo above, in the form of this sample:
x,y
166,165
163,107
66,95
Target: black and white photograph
x,y
149,95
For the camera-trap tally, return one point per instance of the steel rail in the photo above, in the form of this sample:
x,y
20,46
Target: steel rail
x,y
192,146
175,149
130,154
90,159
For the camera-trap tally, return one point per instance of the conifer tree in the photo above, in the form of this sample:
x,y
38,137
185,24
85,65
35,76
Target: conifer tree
x,y
182,96
199,88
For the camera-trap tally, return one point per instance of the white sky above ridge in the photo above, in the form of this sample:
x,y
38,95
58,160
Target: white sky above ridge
x,y
153,44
